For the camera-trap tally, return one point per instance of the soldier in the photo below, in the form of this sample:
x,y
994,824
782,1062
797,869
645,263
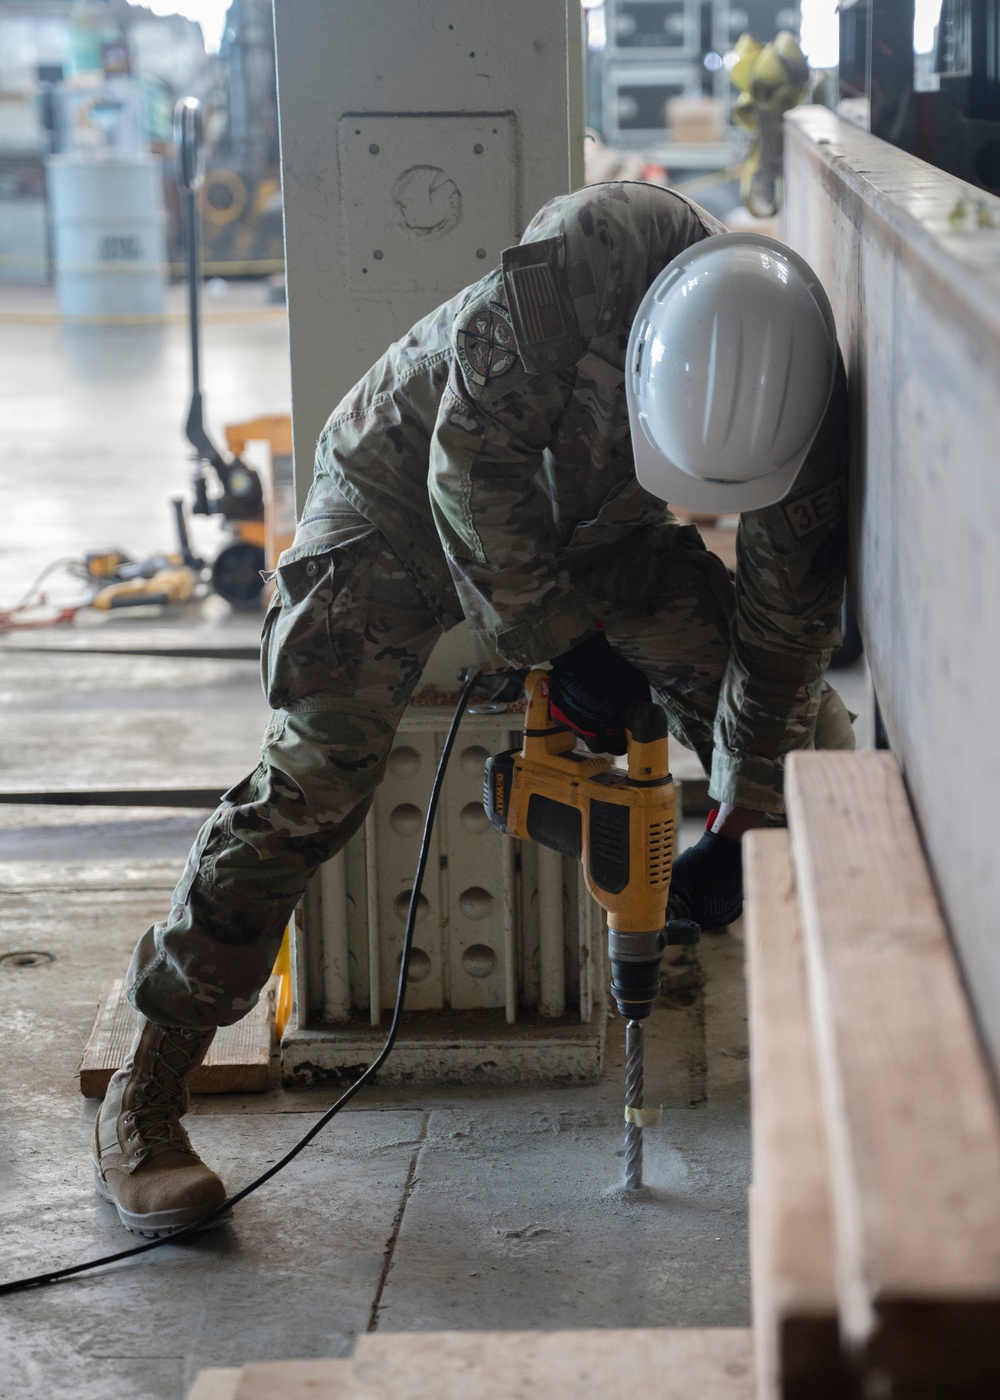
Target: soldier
x,y
486,468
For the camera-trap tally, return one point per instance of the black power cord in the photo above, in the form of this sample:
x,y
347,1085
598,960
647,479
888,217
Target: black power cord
x,y
55,1275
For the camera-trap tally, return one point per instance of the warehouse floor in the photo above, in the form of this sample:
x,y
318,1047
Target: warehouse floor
x,y
422,1210
417,1210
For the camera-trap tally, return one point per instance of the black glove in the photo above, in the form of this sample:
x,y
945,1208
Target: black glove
x,y
591,689
707,883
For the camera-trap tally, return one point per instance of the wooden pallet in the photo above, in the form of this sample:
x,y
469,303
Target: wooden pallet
x,y
238,1062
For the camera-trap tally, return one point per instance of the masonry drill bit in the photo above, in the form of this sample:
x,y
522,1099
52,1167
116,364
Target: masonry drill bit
x,y
634,1038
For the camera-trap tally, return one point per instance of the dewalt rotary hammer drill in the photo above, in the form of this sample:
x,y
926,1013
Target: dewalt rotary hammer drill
x,y
620,824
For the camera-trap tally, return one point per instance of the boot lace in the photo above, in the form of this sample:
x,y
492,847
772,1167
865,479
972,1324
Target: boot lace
x,y
159,1101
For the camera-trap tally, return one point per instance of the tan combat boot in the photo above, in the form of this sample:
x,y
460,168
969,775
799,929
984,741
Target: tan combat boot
x,y
144,1163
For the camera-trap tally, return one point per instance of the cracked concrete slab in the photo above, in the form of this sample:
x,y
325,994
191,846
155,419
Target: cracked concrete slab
x,y
418,1209
517,1218
518,1225
294,1275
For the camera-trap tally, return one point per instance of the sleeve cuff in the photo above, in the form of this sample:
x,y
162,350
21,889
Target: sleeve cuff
x,y
748,781
544,634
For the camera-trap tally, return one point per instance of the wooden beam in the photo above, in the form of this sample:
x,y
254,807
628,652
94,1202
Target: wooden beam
x,y
591,1364
791,1225
218,1383
594,1364
297,1380
911,1118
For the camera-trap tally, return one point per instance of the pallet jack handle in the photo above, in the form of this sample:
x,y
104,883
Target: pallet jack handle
x,y
242,496
190,147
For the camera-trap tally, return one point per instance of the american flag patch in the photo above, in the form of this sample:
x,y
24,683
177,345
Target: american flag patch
x,y
534,293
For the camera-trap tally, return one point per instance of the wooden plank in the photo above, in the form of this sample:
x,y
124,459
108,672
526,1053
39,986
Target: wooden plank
x,y
206,798
691,781
298,1380
238,1061
594,1364
911,1118
591,1364
791,1225
219,1383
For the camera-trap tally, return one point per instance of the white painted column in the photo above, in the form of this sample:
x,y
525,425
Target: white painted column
x,y
374,935
510,931
468,107
333,897
417,140
551,945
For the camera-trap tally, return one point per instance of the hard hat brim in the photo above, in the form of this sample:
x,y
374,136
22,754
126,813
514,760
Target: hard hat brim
x,y
664,479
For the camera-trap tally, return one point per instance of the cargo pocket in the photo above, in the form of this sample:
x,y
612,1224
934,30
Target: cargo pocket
x,y
312,645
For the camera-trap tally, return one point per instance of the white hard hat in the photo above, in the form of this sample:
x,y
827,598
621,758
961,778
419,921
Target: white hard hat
x,y
731,364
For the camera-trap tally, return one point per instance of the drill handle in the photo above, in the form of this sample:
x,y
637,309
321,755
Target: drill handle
x,y
648,747
542,736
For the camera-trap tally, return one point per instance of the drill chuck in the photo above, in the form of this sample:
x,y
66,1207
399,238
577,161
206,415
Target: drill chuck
x,y
635,970
635,964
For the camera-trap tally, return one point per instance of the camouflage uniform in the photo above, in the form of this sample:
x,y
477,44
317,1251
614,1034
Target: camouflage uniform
x,y
498,429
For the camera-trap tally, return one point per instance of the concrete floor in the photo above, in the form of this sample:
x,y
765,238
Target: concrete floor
x,y
92,433
416,1210
447,1209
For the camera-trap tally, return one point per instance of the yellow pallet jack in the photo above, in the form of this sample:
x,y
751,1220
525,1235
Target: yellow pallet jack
x,y
236,569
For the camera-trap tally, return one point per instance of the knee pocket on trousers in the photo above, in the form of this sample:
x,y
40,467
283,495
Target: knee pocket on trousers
x,y
313,639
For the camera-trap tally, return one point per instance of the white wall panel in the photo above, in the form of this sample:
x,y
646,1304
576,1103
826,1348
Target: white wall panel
x,y
912,267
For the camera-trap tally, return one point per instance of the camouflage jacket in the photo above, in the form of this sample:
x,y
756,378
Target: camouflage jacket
x,y
490,445
497,426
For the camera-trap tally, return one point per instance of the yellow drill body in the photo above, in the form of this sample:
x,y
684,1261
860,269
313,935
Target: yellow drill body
x,y
619,824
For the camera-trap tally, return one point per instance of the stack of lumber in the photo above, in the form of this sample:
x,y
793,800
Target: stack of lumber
x,y
688,1364
875,1210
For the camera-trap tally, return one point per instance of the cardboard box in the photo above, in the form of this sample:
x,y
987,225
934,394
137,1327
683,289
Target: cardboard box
x,y
696,120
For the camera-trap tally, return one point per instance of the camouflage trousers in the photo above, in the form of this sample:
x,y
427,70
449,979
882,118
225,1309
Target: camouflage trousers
x,y
344,644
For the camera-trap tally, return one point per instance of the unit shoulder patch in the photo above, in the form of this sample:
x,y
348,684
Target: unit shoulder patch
x,y
486,345
808,513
